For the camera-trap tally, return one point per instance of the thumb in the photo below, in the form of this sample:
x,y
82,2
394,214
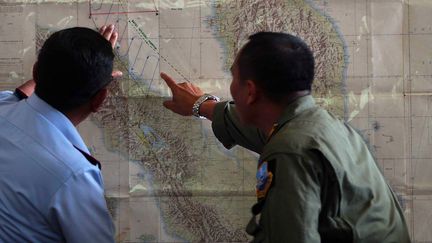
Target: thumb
x,y
169,104
116,74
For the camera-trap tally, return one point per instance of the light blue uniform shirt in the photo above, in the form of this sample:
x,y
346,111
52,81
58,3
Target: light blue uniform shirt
x,y
49,192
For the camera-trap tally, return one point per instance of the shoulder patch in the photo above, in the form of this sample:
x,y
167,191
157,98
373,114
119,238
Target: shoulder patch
x,y
264,179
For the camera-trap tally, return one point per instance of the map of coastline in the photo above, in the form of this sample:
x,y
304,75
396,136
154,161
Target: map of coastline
x,y
177,151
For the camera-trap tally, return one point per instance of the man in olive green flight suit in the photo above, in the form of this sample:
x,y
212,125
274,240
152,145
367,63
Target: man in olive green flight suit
x,y
316,179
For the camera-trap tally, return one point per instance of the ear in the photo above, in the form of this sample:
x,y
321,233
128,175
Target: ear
x,y
252,92
98,99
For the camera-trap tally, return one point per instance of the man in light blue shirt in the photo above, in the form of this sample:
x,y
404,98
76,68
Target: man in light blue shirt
x,y
51,189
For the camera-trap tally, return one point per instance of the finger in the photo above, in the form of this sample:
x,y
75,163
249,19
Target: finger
x,y
183,84
192,87
116,74
102,29
169,104
196,89
169,81
113,39
108,32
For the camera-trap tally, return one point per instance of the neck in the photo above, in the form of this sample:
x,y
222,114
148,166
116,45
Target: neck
x,y
76,116
270,112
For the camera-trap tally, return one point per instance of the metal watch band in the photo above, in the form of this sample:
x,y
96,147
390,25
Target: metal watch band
x,y
196,106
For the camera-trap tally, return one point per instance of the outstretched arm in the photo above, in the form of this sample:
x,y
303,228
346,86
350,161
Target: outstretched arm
x,y
184,95
225,123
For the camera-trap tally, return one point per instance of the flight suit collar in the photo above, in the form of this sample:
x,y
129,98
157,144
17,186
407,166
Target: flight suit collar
x,y
292,110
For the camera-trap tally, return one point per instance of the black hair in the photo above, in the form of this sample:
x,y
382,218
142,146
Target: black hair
x,y
72,66
279,63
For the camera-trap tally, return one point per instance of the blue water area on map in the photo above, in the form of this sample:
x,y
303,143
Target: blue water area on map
x,y
156,141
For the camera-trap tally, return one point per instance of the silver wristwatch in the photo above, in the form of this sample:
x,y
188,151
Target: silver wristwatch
x,y
196,106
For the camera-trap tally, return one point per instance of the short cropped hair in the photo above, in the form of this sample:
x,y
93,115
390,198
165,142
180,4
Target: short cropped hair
x,y
279,63
72,66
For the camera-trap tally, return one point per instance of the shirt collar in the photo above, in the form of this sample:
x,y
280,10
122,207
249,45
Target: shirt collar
x,y
292,110
59,120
